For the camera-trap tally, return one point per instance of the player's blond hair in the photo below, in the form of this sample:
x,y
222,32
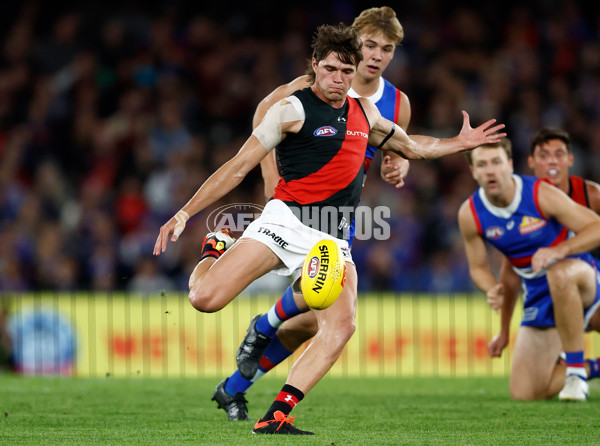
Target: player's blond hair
x,y
382,19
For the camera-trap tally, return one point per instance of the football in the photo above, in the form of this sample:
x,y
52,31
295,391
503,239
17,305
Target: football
x,y
323,274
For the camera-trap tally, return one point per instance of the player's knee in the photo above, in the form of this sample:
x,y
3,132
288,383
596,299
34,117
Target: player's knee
x,y
521,392
558,274
205,300
341,332
519,395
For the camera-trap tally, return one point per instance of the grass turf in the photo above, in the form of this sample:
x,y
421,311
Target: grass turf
x,y
342,411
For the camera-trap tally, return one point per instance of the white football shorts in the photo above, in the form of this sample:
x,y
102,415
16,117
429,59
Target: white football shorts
x,y
290,240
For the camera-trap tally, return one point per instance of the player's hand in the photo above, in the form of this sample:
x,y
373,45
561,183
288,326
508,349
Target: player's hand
x,y
394,172
484,134
174,227
544,257
495,297
497,344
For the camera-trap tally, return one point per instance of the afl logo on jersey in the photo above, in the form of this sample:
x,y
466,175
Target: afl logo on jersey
x,y
326,130
494,232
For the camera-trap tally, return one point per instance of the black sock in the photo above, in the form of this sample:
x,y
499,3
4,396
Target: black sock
x,y
285,401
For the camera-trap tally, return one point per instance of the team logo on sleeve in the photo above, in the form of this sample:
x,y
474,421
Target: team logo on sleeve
x,y
326,130
531,224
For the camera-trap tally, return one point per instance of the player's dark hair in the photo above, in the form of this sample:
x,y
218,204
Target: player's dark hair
x,y
340,39
546,134
504,144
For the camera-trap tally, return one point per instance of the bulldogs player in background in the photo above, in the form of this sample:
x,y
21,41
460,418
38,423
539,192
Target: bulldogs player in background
x,y
528,220
317,172
268,342
550,157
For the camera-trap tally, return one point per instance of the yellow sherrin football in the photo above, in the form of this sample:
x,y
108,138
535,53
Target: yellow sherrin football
x,y
323,274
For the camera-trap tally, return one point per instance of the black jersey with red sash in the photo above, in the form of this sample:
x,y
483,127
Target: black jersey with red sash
x,y
578,191
321,166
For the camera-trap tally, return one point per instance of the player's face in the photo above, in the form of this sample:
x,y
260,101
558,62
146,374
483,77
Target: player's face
x,y
493,170
377,51
332,79
552,160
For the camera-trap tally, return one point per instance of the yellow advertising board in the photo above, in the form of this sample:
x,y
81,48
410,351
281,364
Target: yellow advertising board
x,y
133,335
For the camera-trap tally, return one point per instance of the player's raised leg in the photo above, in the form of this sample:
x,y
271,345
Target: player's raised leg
x,y
214,283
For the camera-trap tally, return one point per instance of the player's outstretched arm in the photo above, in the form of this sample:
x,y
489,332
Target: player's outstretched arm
x,y
389,136
227,177
287,116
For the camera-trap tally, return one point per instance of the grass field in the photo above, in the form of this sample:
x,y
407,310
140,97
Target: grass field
x,y
342,411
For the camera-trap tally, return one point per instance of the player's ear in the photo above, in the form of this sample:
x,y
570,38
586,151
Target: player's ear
x,y
314,65
531,162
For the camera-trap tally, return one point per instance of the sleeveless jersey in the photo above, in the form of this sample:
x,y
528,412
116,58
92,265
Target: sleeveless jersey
x,y
518,231
578,191
387,98
322,166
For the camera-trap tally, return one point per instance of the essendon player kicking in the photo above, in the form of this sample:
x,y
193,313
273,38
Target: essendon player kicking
x,y
550,157
268,342
528,220
321,137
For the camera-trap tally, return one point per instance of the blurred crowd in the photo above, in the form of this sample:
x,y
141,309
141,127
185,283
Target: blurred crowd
x,y
112,116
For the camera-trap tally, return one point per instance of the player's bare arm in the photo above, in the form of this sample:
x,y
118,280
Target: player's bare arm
x,y
476,252
389,136
593,193
268,165
584,222
284,117
511,283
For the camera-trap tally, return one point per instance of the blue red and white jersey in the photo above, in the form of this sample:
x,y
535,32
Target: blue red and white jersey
x,y
387,98
518,231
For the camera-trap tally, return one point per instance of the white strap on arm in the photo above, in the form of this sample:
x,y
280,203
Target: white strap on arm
x,y
268,132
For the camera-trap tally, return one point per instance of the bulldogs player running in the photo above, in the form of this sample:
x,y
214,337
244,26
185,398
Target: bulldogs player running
x,y
528,220
317,171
